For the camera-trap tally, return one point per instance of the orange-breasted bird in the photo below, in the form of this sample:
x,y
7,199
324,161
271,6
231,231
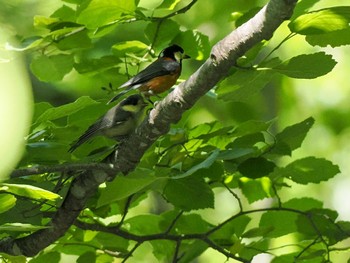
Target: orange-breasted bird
x,y
118,122
159,76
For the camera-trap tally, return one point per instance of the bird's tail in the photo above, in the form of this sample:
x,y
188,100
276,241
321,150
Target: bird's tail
x,y
119,95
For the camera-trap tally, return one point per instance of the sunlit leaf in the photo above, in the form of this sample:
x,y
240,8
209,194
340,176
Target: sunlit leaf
x,y
334,38
292,137
7,201
123,187
28,191
195,44
203,165
243,85
281,222
168,4
134,46
307,66
52,256
161,34
18,227
322,21
256,189
102,12
309,170
65,110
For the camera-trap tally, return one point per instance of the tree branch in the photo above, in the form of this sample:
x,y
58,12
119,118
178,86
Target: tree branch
x,y
223,56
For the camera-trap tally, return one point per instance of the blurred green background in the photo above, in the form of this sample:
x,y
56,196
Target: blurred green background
x,y
285,100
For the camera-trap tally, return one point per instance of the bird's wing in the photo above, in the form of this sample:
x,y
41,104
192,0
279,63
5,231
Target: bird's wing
x,y
158,68
95,129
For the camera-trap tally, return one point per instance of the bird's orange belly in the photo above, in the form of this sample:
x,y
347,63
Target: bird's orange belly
x,y
159,84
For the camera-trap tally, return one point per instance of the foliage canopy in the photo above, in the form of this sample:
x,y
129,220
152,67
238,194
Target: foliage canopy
x,y
163,205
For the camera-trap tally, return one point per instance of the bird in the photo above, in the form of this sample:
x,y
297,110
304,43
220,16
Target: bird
x,y
159,76
118,122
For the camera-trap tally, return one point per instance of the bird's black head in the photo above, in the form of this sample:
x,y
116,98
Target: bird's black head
x,y
132,100
174,52
134,104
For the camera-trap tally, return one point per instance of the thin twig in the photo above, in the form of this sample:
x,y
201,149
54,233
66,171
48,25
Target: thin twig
x,y
176,252
235,196
180,11
131,252
172,224
126,209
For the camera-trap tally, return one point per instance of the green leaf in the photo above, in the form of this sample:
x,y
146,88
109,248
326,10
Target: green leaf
x,y
27,44
14,259
303,7
46,152
256,189
111,242
65,110
235,227
307,66
18,227
243,85
206,131
303,204
144,224
256,167
334,39
134,46
195,44
258,232
97,65
322,21
65,13
282,222
75,38
99,13
124,186
189,193
194,250
292,137
52,257
203,165
247,141
309,170
251,127
189,224
168,4
321,222
7,201
28,191
87,257
236,153
51,68
162,249
161,34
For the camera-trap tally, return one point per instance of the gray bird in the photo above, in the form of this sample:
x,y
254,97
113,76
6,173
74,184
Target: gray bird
x,y
118,123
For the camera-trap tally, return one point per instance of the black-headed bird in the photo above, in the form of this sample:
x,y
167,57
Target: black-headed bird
x,y
159,76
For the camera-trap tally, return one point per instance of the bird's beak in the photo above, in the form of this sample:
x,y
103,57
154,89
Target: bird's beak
x,y
185,56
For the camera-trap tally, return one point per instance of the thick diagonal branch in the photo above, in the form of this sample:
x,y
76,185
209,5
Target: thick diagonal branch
x,y
223,56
